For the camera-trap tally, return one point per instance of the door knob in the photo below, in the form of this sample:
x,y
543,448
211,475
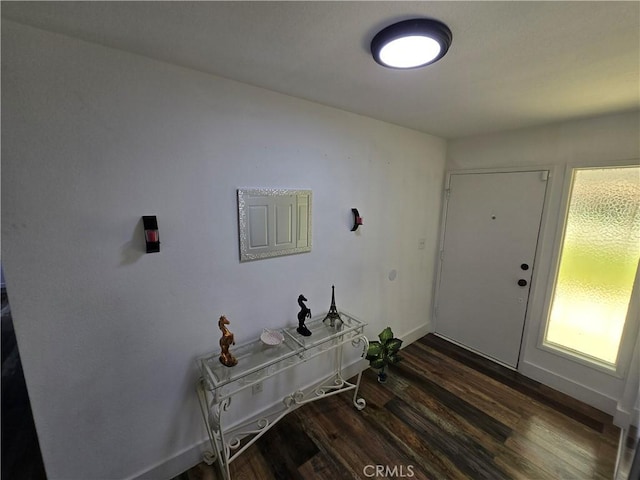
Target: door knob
x,y
522,282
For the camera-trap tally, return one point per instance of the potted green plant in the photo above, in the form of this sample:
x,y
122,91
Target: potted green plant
x,y
384,352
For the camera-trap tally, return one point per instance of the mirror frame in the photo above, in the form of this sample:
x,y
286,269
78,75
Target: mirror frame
x,y
266,199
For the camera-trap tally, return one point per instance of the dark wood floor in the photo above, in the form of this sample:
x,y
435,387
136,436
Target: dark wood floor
x,y
444,413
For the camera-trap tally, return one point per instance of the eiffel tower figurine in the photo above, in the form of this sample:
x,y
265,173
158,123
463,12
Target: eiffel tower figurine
x,y
333,314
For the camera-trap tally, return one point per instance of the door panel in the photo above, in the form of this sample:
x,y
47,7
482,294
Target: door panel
x,y
490,238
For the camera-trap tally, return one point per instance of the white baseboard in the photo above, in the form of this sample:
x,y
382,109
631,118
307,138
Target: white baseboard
x,y
193,455
570,387
415,334
174,466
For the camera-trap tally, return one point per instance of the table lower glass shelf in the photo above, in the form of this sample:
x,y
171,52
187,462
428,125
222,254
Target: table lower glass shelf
x,y
257,362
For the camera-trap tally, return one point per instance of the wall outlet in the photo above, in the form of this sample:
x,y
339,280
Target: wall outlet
x,y
256,388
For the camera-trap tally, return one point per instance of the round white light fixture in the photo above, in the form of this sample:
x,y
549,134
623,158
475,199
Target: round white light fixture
x,y
411,43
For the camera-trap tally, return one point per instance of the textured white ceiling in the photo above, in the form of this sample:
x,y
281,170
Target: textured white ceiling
x,y
511,64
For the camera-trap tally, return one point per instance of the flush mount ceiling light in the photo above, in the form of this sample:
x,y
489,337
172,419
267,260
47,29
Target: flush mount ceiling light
x,y
411,44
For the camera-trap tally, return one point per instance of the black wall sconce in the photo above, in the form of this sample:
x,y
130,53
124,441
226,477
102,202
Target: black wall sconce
x,y
357,219
151,235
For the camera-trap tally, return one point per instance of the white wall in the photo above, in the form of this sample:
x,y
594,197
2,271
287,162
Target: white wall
x,y
606,140
94,138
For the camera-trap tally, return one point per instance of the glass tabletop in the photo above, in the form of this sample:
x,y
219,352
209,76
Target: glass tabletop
x,y
254,357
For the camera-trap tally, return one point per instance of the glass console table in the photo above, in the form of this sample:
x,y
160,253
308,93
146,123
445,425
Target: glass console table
x,y
258,362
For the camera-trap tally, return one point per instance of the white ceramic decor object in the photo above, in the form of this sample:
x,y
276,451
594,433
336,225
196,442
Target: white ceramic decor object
x,y
271,337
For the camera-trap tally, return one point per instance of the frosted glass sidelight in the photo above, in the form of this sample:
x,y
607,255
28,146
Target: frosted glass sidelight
x,y
598,263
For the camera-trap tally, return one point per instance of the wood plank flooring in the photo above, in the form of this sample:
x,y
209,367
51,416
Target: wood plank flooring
x,y
444,413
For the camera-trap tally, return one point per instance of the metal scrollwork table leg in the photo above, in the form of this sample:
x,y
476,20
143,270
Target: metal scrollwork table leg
x,y
213,406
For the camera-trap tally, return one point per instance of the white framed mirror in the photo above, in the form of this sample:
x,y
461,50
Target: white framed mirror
x,y
273,222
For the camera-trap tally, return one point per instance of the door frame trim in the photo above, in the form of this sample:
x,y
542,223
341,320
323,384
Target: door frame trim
x,y
544,223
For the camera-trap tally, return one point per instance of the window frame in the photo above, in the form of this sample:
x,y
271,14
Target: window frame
x,y
632,321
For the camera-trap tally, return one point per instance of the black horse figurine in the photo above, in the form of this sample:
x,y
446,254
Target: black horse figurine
x,y
302,316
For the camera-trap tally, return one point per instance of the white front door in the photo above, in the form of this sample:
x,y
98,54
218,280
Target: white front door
x,y
490,238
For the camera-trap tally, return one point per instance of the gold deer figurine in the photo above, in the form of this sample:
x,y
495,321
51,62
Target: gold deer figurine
x,y
227,339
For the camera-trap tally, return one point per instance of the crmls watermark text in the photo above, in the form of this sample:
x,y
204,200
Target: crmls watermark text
x,y
395,471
